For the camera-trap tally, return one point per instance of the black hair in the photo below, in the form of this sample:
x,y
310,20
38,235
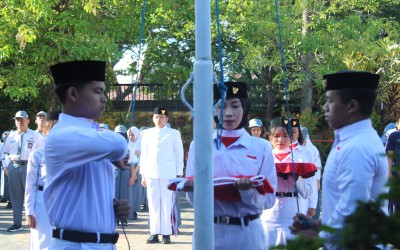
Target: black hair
x,y
365,98
246,107
61,89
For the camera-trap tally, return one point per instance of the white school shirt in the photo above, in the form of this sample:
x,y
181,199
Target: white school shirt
x,y
133,146
80,181
161,153
35,176
2,156
249,156
31,141
286,207
356,170
308,154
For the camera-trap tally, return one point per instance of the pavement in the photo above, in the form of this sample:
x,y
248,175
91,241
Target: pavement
x,y
137,232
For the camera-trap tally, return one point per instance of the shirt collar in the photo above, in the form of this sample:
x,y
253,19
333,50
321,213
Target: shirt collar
x,y
244,137
349,130
78,121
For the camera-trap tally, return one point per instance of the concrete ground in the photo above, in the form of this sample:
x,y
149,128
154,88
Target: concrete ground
x,y
137,232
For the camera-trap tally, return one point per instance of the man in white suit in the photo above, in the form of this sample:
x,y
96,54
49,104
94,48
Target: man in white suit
x,y
161,159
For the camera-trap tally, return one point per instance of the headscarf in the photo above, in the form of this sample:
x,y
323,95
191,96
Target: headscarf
x,y
235,90
134,145
135,131
387,128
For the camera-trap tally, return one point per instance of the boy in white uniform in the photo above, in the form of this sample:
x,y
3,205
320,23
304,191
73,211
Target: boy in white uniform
x,y
80,183
161,159
35,211
356,168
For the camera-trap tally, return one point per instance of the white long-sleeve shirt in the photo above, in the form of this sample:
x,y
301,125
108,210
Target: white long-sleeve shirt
x,y
356,170
286,207
35,176
248,156
80,182
161,153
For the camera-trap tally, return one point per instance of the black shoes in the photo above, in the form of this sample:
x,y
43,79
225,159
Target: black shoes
x,y
166,239
9,205
145,208
134,216
14,228
153,239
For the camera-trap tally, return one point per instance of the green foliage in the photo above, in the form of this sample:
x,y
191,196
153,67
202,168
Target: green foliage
x,y
309,119
36,34
362,35
367,227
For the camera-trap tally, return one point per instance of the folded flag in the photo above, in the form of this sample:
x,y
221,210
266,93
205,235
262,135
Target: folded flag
x,y
223,186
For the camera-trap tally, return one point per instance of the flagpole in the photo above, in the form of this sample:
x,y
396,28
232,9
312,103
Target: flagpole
x,y
203,128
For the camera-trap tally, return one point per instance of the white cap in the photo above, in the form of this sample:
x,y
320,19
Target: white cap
x,y
255,123
21,114
120,129
103,126
41,113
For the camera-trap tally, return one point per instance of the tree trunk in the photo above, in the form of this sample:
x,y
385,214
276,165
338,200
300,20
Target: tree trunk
x,y
52,99
306,84
268,74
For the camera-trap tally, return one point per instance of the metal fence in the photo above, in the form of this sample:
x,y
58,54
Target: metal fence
x,y
149,96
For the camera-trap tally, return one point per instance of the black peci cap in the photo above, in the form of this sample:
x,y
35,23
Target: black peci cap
x,y
160,111
351,79
77,71
284,122
235,90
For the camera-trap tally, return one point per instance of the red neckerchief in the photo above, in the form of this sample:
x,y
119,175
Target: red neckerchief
x,y
227,141
281,156
293,146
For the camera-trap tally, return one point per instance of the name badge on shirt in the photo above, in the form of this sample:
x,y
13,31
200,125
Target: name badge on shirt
x,y
30,143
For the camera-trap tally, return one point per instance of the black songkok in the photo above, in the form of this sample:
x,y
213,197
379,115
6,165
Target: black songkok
x,y
284,122
351,80
160,111
78,71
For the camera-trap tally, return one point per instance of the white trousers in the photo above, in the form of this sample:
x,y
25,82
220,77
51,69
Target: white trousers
x,y
41,235
57,244
160,204
235,237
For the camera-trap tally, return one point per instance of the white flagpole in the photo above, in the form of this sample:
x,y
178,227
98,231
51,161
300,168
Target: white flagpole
x,y
203,128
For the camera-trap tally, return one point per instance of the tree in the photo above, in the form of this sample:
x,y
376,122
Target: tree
x,y
37,34
352,35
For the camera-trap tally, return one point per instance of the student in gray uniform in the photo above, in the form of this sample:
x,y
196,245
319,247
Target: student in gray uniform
x,y
122,175
19,145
